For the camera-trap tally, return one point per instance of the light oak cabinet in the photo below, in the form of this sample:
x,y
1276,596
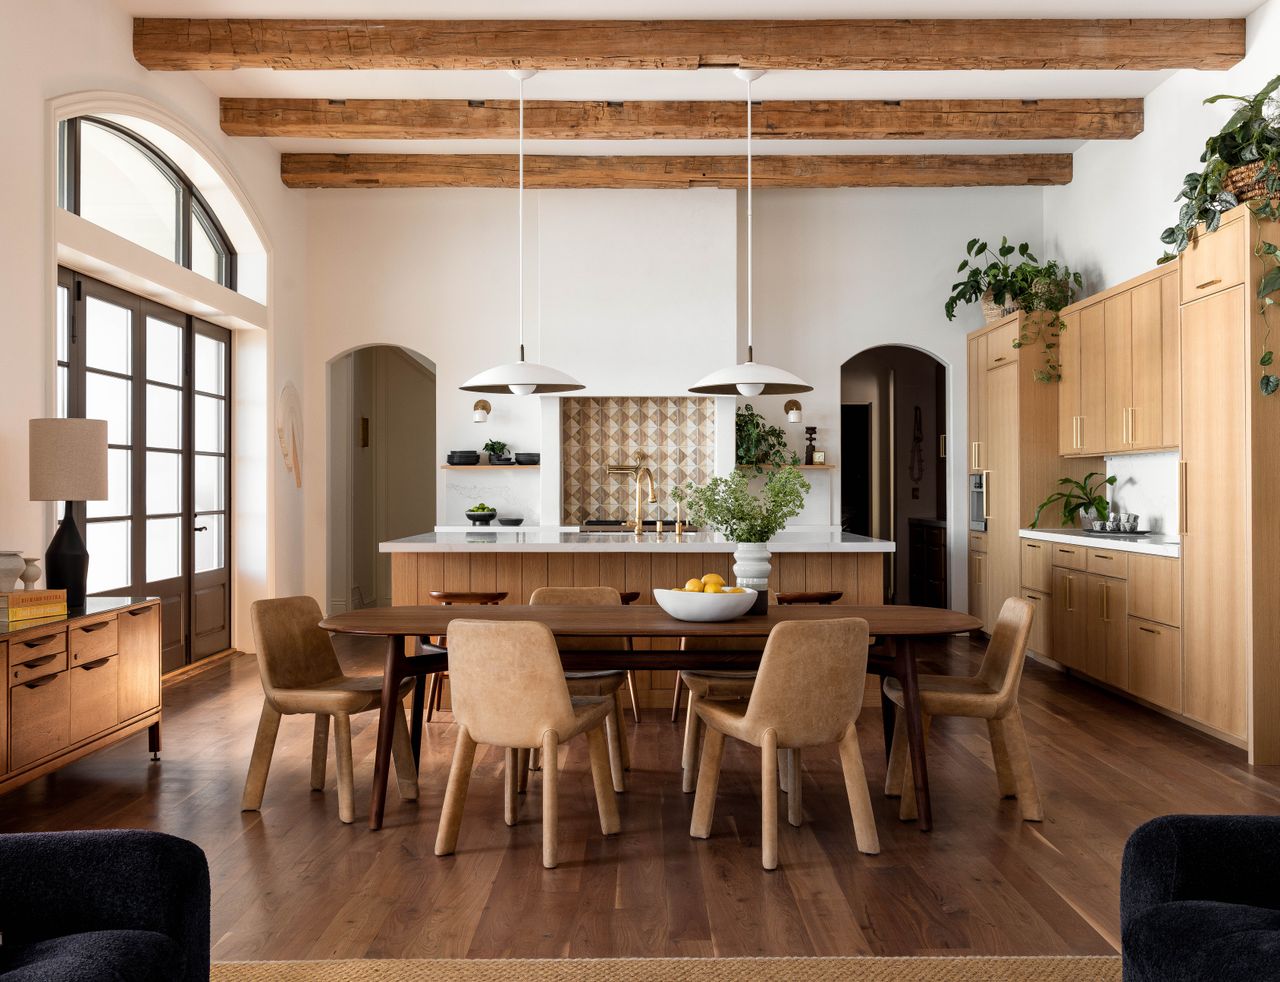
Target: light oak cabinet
x,y
1216,262
76,685
1155,663
1041,618
977,401
978,585
1155,589
1106,630
1120,373
1068,615
1036,565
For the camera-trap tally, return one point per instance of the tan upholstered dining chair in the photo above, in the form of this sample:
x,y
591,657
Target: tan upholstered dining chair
x,y
301,675
808,693
488,661
991,695
599,683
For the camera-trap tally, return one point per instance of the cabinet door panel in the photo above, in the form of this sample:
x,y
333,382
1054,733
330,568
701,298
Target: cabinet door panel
x,y
1171,388
1069,387
977,401
93,697
139,671
1067,627
4,713
1117,317
41,719
1035,565
1105,631
978,586
1215,510
1004,573
1040,618
1155,663
1000,349
1093,375
1213,263
1146,403
1155,589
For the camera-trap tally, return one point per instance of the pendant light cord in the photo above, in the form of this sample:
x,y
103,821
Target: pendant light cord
x,y
750,280
520,222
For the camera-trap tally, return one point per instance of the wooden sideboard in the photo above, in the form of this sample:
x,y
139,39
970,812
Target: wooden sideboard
x,y
78,684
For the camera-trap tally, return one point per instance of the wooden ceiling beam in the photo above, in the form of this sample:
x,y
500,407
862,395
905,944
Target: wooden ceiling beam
x,y
462,119
184,44
329,170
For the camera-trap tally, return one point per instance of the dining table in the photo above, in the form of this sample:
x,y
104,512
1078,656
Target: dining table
x,y
893,629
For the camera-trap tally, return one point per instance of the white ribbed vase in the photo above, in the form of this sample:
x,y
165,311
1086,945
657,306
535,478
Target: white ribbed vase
x,y
751,566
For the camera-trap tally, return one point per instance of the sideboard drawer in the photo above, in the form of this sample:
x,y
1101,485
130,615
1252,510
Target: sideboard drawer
x,y
36,644
1108,562
1068,557
36,666
92,641
93,697
40,719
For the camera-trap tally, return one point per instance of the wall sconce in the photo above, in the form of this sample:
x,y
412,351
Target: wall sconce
x,y
481,410
794,411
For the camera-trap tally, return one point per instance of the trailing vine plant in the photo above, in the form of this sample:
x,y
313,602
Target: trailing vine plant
x,y
760,444
1250,136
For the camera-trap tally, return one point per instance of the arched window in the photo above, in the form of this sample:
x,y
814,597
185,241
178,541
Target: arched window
x,y
117,179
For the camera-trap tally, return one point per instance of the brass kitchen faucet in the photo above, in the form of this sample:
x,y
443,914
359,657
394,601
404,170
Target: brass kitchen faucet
x,y
640,472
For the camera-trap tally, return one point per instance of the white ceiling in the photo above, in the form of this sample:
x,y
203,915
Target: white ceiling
x,y
700,84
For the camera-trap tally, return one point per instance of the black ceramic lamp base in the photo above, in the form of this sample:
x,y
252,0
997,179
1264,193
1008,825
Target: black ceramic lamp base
x,y
66,561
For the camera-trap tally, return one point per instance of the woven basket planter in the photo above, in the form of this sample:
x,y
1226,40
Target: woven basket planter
x,y
994,311
1246,182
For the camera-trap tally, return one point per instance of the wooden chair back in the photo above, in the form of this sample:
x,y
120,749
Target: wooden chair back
x,y
1001,668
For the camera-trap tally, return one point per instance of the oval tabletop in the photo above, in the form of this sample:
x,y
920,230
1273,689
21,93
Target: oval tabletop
x,y
647,621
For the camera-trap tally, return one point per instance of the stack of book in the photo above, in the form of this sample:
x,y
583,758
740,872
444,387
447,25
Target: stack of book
x,y
27,605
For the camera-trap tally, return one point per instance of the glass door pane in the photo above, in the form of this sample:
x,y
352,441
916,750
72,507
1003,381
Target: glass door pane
x,y
211,525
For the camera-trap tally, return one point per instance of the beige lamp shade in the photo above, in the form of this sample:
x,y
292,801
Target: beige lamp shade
x,y
68,459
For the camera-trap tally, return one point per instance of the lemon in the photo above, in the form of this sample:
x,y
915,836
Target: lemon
x,y
714,587
693,586
709,578
732,589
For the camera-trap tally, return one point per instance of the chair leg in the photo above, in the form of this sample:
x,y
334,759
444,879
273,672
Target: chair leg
x,y
795,806
1015,738
535,759
675,699
689,755
511,787
784,772
455,793
550,798
264,744
624,744
898,757
859,794
769,800
433,694
416,716
402,754
522,766
606,802
1000,757
319,751
631,690
704,801
346,772
614,738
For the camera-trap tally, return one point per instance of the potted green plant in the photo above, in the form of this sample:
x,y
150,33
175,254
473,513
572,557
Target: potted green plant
x,y
1051,288
497,451
1081,499
1241,164
727,505
758,443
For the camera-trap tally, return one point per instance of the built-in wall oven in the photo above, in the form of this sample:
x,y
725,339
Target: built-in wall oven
x,y
977,503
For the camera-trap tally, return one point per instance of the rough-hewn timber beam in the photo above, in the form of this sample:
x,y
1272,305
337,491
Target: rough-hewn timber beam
x,y
462,119
181,44
429,170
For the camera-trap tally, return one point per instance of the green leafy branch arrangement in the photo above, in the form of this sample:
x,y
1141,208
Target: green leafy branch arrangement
x,y
1087,495
758,443
1251,135
728,506
1051,292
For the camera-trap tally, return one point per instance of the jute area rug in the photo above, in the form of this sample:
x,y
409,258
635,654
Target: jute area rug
x,y
1037,969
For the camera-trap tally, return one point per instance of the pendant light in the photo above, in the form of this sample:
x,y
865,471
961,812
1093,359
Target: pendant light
x,y
750,378
521,377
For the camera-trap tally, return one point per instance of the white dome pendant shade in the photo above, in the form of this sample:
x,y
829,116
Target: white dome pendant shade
x,y
521,378
750,378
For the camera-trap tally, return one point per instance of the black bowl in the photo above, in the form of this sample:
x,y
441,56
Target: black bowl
x,y
528,458
511,522
481,517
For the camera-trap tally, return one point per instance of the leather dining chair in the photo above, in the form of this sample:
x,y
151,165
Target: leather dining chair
x,y
301,675
598,683
433,684
489,660
991,695
808,693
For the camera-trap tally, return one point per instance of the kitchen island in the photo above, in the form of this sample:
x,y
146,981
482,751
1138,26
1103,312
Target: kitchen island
x,y
519,560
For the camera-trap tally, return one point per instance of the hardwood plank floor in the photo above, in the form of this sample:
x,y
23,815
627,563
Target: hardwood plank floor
x,y
292,882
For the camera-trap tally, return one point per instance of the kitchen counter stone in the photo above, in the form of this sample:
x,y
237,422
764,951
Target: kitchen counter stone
x,y
563,539
1148,545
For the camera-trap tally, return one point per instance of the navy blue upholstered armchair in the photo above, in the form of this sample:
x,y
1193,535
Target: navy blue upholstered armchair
x,y
1200,899
103,906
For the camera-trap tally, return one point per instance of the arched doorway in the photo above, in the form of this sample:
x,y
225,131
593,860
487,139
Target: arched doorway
x,y
382,473
894,476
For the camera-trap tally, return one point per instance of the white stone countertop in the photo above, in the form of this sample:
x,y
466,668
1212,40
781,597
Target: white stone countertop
x,y
1147,545
563,539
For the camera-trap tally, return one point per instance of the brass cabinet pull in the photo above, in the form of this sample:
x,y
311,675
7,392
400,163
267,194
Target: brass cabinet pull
x,y
1069,605
1101,558
37,683
1149,630
1067,552
37,642
1182,497
1031,545
986,494
1106,613
994,360
1201,286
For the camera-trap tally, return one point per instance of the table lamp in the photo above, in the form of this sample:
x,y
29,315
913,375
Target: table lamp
x,y
68,463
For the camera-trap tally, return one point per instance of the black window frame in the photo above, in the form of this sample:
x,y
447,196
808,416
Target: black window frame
x,y
190,204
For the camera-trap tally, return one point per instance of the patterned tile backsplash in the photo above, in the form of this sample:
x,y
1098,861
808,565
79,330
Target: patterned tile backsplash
x,y
676,435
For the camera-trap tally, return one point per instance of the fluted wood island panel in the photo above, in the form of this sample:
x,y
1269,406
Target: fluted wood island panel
x,y
858,575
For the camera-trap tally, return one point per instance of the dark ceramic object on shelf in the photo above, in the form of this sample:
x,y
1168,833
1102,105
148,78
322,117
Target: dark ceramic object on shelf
x,y
498,460
481,517
511,522
528,458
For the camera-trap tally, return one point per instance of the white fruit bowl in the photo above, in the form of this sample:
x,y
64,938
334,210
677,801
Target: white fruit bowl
x,y
704,606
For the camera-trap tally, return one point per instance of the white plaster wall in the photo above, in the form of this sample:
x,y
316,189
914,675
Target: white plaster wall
x,y
1107,221
1147,483
72,46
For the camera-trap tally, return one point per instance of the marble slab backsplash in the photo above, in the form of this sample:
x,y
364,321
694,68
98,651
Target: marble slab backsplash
x,y
1147,483
675,433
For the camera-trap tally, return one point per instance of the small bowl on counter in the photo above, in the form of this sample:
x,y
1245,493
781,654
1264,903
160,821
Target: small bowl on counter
x,y
482,518
685,606
511,522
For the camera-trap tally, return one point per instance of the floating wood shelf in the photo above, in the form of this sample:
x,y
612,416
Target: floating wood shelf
x,y
489,467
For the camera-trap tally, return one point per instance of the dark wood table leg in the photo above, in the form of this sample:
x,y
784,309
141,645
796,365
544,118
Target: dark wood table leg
x,y
393,674
153,740
905,665
886,719
419,710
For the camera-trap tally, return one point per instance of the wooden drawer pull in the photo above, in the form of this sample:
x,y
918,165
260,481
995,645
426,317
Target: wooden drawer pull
x,y
42,660
37,642
1067,552
37,683
1149,630
137,612
1105,559
1201,286
1031,545
1001,358
90,666
90,628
